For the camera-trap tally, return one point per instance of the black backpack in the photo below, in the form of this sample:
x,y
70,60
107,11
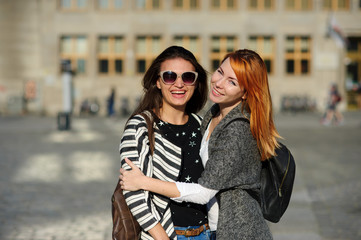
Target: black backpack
x,y
277,178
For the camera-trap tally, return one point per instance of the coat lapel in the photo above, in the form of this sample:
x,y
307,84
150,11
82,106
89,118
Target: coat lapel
x,y
235,113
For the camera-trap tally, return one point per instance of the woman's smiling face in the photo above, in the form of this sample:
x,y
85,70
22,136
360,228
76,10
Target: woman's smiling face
x,y
178,94
225,89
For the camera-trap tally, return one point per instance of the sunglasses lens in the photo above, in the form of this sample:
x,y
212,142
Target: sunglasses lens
x,y
188,77
169,77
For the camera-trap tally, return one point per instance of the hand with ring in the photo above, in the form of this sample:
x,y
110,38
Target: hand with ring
x,y
131,180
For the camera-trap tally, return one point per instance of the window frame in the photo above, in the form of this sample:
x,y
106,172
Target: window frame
x,y
298,56
73,6
149,55
73,56
218,56
260,43
186,5
111,6
149,5
223,5
334,5
298,5
355,54
111,56
186,43
261,5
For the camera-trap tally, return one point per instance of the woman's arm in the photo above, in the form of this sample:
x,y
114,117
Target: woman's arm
x,y
133,145
194,192
158,232
190,192
135,180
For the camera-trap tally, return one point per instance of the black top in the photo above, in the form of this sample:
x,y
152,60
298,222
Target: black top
x,y
188,137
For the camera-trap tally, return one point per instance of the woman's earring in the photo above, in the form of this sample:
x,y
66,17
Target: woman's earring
x,y
244,97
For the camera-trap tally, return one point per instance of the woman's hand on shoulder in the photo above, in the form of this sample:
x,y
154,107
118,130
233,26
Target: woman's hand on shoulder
x,y
131,180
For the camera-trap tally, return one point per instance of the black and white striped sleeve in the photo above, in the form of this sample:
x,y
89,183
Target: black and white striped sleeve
x,y
135,146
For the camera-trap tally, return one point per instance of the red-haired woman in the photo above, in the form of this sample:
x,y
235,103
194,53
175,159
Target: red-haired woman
x,y
232,146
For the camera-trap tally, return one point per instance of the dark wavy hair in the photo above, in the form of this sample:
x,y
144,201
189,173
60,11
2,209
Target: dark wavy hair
x,y
152,98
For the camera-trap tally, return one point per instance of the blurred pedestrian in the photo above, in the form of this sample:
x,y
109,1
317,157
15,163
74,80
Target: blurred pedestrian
x,y
332,113
124,107
110,103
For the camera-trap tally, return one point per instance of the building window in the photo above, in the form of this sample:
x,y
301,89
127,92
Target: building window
x,y
336,5
265,47
190,43
147,49
73,5
223,4
111,55
261,5
220,46
354,54
353,74
299,5
186,4
298,55
74,49
148,4
110,4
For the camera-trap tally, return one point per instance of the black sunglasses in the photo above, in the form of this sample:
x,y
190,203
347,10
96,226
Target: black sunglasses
x,y
169,77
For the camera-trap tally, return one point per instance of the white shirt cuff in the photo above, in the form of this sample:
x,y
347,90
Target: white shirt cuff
x,y
193,192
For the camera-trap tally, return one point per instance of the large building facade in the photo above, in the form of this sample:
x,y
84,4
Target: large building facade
x,y
110,44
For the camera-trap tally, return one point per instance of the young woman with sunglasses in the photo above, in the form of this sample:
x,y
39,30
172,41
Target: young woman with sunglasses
x,y
232,146
162,137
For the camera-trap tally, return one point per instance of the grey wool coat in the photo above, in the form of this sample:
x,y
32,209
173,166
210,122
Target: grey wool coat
x,y
234,165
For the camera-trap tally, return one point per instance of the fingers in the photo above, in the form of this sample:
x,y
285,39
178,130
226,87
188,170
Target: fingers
x,y
121,183
130,163
122,171
122,174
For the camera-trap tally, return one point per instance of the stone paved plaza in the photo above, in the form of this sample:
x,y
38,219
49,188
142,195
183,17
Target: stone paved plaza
x,y
57,185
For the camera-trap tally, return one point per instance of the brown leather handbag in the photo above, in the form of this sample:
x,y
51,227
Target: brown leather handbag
x,y
125,226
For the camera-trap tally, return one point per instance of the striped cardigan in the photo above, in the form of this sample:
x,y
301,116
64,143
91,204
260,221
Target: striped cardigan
x,y
165,164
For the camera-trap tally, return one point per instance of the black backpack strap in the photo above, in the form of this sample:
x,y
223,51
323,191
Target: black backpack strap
x,y
244,120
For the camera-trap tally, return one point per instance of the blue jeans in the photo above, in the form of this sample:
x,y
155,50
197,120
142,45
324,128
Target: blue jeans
x,y
205,235
213,235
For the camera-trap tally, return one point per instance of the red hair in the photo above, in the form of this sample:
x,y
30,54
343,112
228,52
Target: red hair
x,y
251,74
